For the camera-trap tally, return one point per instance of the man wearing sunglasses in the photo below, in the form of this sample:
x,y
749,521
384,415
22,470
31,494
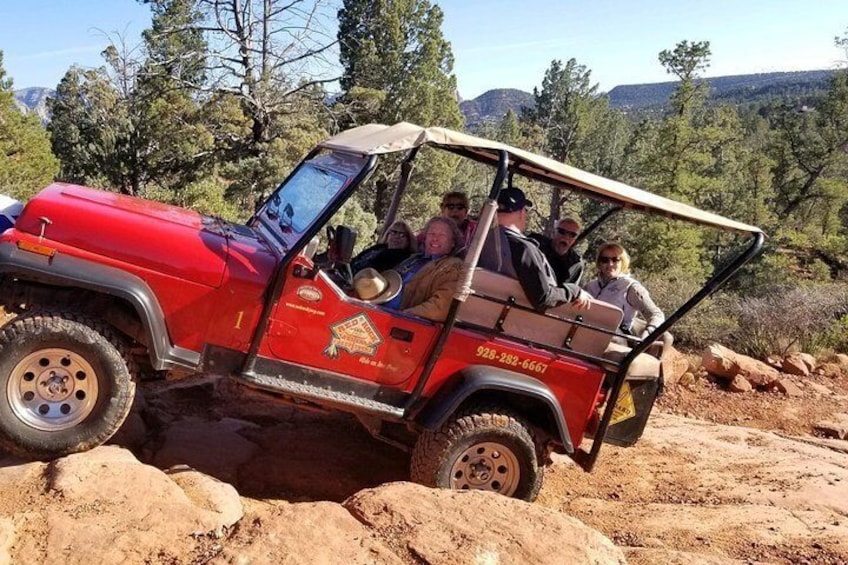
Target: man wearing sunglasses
x,y
560,253
522,258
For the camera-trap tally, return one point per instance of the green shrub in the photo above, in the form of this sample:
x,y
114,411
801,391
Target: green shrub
x,y
786,318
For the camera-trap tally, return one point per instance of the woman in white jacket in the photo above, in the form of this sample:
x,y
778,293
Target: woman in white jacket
x,y
615,286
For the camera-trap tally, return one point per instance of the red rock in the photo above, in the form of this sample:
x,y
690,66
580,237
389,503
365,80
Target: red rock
x,y
794,365
726,363
830,370
837,428
674,365
787,387
444,527
808,360
739,384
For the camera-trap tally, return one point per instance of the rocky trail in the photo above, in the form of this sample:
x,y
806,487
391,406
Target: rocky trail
x,y
204,472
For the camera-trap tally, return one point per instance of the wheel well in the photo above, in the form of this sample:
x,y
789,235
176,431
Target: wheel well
x,y
20,295
534,410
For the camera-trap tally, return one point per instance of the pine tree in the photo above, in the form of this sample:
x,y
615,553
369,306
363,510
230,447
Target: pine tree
x,y
398,67
26,162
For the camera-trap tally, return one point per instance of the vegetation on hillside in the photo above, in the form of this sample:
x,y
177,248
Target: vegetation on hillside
x,y
221,99
26,162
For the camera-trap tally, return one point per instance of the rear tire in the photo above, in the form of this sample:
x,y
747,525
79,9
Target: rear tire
x,y
488,448
66,384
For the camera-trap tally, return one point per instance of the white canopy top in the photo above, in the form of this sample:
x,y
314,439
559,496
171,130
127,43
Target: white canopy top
x,y
375,139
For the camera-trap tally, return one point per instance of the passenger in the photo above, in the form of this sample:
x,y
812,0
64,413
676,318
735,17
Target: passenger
x,y
394,246
560,253
431,275
455,206
527,262
615,286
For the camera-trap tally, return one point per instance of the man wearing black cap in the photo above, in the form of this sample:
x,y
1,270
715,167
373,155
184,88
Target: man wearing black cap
x,y
528,263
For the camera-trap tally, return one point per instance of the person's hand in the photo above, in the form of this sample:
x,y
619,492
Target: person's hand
x,y
583,300
646,332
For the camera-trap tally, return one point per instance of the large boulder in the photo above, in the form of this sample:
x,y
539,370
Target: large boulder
x,y
309,532
104,506
442,526
726,363
795,364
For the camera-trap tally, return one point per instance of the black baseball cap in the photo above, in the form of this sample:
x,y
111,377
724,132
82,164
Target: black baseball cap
x,y
513,199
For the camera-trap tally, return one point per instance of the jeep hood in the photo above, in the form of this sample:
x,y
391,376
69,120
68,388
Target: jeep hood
x,y
129,230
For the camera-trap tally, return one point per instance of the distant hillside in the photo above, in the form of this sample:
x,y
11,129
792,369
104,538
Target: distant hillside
x,y
494,104
34,100
732,89
738,89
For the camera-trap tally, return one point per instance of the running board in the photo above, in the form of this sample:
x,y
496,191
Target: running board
x,y
324,396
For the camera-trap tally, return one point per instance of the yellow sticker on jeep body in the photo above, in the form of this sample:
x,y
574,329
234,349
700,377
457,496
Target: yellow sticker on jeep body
x,y
511,359
624,407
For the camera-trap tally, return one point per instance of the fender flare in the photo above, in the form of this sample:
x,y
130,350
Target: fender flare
x,y
66,270
475,378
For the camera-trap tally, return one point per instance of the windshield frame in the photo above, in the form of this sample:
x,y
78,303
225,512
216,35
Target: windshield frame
x,y
345,168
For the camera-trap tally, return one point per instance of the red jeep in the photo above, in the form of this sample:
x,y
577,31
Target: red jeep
x,y
99,287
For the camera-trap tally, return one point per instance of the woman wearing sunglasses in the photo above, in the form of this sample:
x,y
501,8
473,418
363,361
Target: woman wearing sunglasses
x,y
615,286
396,244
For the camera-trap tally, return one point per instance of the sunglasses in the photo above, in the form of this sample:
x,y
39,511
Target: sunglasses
x,y
397,232
604,260
569,233
455,206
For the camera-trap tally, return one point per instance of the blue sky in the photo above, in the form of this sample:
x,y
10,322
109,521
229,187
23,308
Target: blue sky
x,y
496,43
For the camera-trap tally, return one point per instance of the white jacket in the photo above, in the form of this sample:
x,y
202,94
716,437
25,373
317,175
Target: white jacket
x,y
629,295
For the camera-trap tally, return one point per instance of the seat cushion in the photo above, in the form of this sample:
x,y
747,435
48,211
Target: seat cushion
x,y
643,367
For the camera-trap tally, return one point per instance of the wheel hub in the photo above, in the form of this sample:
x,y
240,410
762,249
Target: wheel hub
x,y
54,385
480,470
486,466
52,389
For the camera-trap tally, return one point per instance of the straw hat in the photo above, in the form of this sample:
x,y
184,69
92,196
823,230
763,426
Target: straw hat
x,y
375,287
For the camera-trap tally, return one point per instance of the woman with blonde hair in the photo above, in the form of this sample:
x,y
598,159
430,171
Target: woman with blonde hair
x,y
395,245
616,286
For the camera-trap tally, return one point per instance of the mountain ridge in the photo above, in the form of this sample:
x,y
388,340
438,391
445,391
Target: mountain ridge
x,y
33,99
493,104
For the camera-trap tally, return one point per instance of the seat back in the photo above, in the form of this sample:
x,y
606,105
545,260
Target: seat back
x,y
555,327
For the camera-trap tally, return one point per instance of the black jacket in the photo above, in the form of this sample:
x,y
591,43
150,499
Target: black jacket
x,y
535,274
379,257
567,268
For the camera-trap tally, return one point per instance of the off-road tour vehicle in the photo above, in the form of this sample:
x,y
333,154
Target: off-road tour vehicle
x,y
99,287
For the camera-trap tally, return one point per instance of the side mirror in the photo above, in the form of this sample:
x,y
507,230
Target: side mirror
x,y
343,244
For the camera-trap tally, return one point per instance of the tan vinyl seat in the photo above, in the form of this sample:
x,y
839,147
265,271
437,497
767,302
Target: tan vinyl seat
x,y
554,329
643,367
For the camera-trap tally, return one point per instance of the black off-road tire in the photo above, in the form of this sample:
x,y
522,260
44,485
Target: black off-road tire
x,y
483,448
66,384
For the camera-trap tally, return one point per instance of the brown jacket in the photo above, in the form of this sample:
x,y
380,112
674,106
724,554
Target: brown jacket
x,y
429,292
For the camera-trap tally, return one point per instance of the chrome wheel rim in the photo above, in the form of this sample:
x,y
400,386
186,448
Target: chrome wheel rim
x,y
52,389
486,466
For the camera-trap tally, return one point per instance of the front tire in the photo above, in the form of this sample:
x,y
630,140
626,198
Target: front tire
x,y
488,448
66,384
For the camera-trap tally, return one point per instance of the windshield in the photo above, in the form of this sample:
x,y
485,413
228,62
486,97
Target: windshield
x,y
296,205
304,197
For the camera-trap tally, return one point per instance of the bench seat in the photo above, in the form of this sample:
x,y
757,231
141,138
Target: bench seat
x,y
555,327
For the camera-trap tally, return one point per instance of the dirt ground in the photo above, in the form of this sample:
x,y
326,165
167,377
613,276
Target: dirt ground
x,y
650,478
729,477
708,399
716,499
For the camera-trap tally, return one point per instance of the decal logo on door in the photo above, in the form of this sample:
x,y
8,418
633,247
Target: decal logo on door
x,y
355,335
309,293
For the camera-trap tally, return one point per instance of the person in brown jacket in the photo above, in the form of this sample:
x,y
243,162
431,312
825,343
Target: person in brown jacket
x,y
430,276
